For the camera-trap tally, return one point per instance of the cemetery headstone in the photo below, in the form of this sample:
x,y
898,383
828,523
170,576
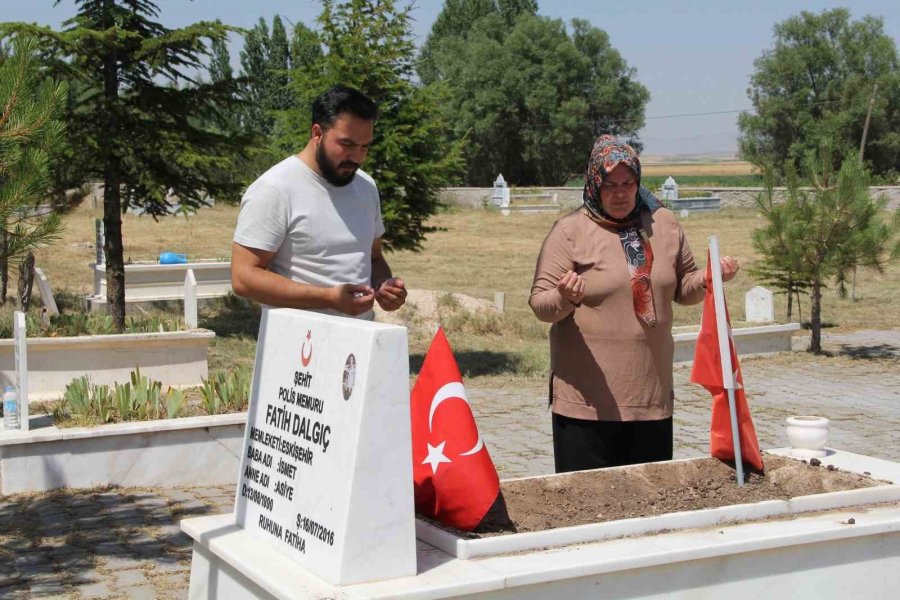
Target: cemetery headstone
x,y
759,306
99,241
21,358
500,196
190,299
46,293
326,470
499,300
670,189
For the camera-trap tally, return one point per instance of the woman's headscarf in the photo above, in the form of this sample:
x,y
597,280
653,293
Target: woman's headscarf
x,y
608,153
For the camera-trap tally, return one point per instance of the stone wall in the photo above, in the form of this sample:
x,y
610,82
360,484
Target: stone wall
x,y
571,196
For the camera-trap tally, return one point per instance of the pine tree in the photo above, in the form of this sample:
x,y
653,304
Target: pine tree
x,y
817,236
140,117
369,46
30,131
306,48
255,68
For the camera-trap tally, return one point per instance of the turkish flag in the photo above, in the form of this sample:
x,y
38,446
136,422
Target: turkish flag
x,y
707,371
455,479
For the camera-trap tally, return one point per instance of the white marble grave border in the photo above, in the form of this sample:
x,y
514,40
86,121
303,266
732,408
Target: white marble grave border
x,y
748,341
820,553
463,548
176,358
185,451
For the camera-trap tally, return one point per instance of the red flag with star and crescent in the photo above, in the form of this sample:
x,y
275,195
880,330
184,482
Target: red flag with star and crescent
x,y
707,371
455,479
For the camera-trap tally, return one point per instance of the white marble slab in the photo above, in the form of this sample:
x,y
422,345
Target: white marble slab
x,y
47,298
168,453
176,358
326,472
818,553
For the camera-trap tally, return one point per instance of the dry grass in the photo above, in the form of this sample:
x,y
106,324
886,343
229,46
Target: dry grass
x,y
474,252
207,235
729,167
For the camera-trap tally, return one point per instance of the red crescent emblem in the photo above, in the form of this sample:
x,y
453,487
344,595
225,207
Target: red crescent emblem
x,y
304,357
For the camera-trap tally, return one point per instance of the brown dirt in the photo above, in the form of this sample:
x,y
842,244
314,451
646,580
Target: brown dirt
x,y
537,504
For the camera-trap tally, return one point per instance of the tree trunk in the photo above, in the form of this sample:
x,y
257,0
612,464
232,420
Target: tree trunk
x,y
26,281
112,199
815,318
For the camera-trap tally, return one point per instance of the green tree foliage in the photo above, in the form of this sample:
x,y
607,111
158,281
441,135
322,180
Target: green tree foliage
x,y
306,49
529,99
816,82
266,61
256,93
30,131
368,45
818,236
140,118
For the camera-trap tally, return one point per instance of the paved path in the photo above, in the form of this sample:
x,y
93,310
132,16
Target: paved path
x,y
127,543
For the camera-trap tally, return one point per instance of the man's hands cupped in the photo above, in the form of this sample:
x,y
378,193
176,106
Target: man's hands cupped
x,y
391,294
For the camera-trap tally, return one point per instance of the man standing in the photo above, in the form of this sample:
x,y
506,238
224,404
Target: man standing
x,y
309,231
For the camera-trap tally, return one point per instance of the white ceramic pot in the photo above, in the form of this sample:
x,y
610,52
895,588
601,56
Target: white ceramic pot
x,y
807,436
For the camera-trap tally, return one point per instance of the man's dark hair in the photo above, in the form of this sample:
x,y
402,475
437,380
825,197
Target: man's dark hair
x,y
342,99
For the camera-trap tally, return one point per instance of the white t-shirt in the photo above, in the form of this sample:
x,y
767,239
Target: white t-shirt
x,y
321,234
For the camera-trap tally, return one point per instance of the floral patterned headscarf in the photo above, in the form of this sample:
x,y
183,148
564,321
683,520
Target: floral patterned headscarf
x,y
608,153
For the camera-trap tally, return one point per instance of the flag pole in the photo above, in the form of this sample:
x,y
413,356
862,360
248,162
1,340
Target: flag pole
x,y
723,330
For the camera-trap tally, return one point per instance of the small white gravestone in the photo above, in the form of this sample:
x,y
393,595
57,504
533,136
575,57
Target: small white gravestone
x,y
190,299
46,293
326,469
759,306
21,358
499,301
500,196
670,189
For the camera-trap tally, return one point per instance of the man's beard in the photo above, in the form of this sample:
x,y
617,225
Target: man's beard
x,y
330,171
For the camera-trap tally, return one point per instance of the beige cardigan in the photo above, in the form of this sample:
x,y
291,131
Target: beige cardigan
x,y
606,364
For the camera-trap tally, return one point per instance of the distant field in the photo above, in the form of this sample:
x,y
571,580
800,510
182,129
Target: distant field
x,y
731,167
728,173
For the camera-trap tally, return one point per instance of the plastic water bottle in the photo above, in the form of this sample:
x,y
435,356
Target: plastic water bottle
x,y
10,408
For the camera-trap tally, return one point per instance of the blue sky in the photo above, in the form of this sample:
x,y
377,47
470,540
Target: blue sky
x,y
694,57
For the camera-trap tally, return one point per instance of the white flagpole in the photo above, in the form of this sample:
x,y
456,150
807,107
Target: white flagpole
x,y
725,352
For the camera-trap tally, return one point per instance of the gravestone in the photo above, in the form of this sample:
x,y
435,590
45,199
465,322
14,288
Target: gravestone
x,y
46,293
190,299
99,241
500,197
670,189
21,359
759,306
326,468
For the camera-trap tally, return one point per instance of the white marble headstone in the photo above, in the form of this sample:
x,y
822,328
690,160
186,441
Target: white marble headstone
x,y
759,306
326,469
46,293
21,358
190,299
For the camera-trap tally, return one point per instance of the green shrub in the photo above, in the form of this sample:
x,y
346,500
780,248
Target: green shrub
x,y
138,399
227,391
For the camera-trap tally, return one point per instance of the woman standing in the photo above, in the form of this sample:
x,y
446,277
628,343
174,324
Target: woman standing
x,y
606,278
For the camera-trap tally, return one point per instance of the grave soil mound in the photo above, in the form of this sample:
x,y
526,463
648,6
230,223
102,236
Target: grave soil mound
x,y
536,504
